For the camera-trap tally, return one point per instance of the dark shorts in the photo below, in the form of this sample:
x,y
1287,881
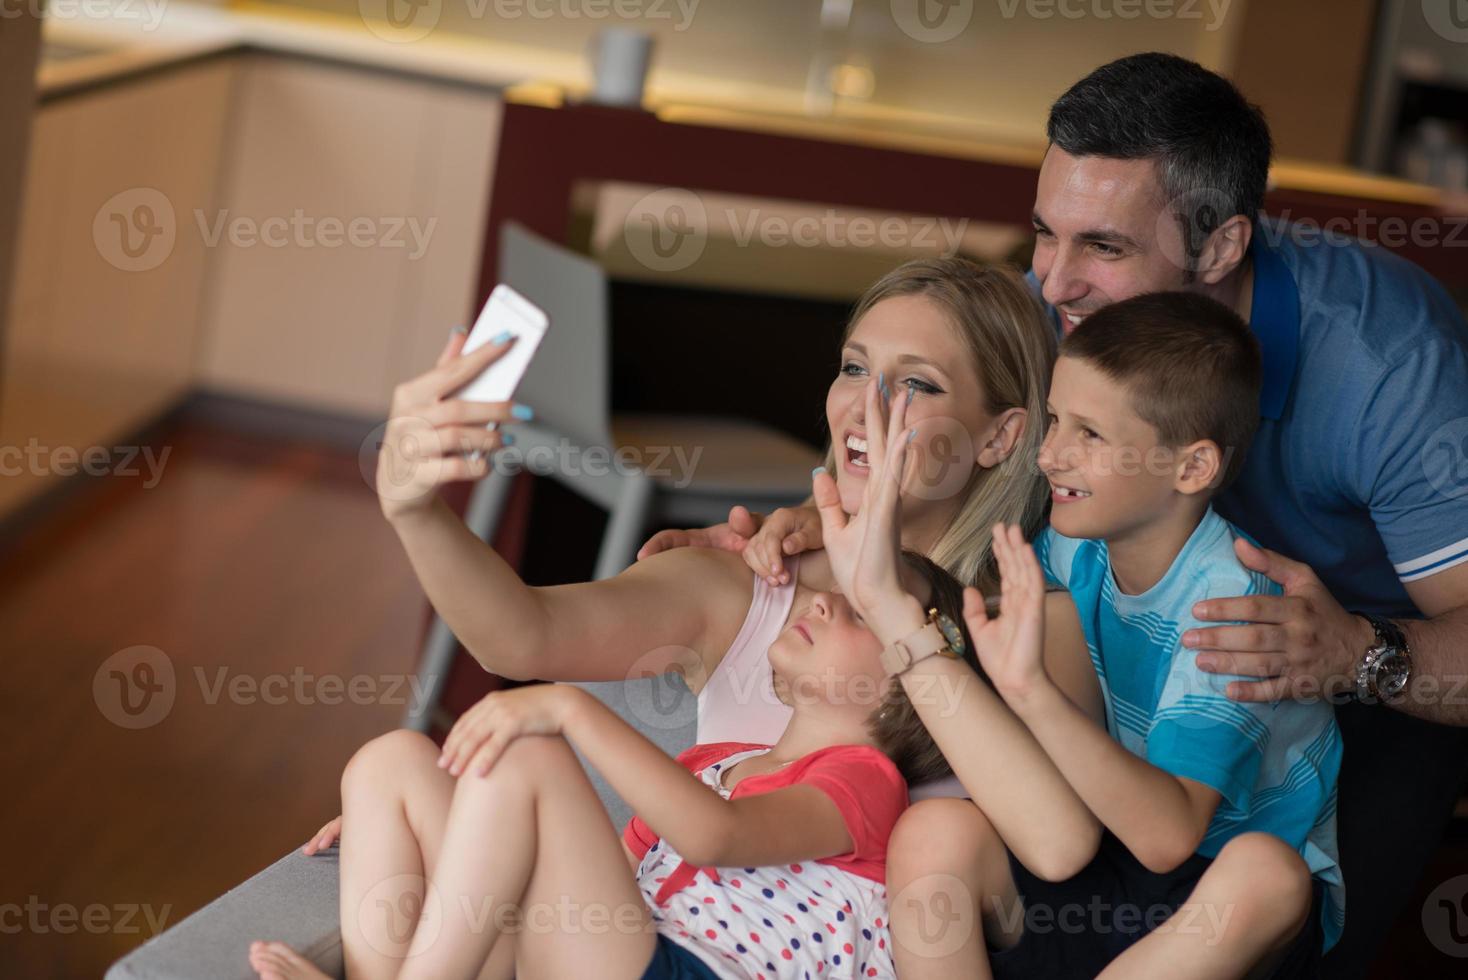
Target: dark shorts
x,y
672,962
1074,928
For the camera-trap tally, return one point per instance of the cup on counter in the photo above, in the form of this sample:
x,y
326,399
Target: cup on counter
x,y
620,58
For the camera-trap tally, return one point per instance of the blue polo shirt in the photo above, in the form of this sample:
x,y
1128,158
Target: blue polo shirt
x,y
1360,465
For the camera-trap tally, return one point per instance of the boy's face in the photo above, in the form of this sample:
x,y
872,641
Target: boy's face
x,y
1108,473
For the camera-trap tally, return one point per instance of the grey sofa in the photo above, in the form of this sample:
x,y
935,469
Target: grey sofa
x,y
295,899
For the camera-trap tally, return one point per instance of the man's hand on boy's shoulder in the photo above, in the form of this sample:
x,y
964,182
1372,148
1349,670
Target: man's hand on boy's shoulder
x,y
1302,644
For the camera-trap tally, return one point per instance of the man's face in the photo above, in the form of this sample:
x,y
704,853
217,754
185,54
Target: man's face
x,y
1104,233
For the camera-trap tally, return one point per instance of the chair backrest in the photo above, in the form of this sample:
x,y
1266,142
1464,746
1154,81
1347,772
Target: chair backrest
x,y
568,383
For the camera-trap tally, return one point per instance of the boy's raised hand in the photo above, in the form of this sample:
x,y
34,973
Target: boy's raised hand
x,y
1010,645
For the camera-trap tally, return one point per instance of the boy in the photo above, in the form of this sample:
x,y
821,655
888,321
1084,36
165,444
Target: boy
x,y
1212,808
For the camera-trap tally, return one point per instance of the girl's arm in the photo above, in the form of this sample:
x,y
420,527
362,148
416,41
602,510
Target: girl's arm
x,y
799,823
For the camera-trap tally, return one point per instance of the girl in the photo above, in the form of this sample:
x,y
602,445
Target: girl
x,y
747,860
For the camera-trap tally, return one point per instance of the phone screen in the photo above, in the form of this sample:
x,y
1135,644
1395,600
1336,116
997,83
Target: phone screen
x,y
506,310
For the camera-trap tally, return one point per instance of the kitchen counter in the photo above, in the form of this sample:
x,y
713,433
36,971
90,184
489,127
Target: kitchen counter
x,y
109,40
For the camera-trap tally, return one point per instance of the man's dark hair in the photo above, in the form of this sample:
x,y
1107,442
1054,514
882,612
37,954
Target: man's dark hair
x,y
1211,145
1191,365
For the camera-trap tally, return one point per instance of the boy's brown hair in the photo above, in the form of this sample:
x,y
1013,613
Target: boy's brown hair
x,y
1192,366
895,725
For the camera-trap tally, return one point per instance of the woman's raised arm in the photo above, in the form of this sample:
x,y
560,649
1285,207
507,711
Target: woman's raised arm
x,y
679,609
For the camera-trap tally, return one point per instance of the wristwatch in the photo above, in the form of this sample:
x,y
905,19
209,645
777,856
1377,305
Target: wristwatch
x,y
1386,666
939,636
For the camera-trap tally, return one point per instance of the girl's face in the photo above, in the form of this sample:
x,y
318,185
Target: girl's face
x,y
828,656
911,342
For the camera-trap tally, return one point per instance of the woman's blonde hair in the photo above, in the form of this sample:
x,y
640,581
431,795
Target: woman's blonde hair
x,y
1012,348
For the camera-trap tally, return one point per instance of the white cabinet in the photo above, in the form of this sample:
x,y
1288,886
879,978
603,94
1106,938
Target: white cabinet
x,y
100,340
352,210
285,230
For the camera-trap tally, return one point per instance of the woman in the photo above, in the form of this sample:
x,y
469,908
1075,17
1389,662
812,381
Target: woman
x,y
971,350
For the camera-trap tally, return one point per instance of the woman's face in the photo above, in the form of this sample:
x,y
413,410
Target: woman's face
x,y
912,343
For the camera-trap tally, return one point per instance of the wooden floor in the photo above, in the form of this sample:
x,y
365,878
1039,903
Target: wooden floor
x,y
251,559
248,559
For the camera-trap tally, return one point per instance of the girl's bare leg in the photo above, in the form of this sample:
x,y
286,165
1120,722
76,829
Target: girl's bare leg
x,y
1238,922
395,804
946,899
532,840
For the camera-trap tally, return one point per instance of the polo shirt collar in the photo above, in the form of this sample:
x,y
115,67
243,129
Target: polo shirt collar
x,y
1275,320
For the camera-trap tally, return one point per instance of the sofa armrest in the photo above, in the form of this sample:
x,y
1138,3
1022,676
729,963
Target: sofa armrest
x,y
294,900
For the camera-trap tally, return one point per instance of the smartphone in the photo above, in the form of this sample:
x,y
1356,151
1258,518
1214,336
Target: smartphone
x,y
506,310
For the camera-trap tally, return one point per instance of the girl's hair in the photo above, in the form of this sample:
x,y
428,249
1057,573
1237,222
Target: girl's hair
x,y
1012,351
895,725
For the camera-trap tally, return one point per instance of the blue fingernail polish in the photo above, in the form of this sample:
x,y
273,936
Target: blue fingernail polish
x,y
523,412
501,337
509,439
458,329
818,471
910,434
910,390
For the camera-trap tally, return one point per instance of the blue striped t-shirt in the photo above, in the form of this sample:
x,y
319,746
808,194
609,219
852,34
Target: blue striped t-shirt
x,y
1275,765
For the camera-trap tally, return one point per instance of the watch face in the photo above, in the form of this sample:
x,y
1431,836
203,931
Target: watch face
x,y
1391,675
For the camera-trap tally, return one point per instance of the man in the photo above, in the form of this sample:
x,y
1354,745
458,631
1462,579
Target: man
x,y
1155,169
1153,180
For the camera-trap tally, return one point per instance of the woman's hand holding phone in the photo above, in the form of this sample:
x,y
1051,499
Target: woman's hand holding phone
x,y
432,438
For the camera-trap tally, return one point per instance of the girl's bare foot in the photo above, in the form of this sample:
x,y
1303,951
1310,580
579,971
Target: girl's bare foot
x,y
277,961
